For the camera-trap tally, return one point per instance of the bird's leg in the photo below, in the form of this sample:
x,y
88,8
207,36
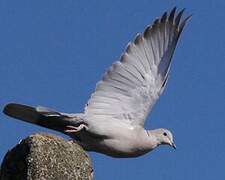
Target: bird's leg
x,y
73,141
74,129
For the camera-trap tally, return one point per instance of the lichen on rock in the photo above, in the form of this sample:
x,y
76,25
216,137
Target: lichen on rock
x,y
45,156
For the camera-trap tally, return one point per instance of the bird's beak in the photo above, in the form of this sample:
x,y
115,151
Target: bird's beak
x,y
173,145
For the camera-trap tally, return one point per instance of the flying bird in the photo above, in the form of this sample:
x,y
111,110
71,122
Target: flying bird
x,y
114,117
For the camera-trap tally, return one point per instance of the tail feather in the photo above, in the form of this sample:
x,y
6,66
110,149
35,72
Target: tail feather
x,y
42,116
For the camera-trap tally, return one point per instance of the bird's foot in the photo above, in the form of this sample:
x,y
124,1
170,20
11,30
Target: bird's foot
x,y
74,129
73,141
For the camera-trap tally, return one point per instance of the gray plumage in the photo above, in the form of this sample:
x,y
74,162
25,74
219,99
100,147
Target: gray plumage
x,y
43,116
114,117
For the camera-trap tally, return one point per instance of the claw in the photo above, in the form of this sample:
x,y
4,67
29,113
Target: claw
x,y
74,129
73,141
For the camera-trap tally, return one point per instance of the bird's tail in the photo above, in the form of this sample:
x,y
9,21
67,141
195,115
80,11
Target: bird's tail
x,y
43,116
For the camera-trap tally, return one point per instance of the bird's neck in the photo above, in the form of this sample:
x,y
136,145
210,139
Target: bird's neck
x,y
153,138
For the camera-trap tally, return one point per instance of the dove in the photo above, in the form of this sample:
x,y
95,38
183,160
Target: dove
x,y
114,117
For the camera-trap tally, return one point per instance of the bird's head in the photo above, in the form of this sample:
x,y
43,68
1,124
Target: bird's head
x,y
163,136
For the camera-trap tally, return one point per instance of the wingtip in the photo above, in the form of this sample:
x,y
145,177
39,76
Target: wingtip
x,y
182,10
172,13
188,18
178,17
174,9
184,22
163,17
156,21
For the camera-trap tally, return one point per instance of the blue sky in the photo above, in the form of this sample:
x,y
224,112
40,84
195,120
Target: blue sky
x,y
52,53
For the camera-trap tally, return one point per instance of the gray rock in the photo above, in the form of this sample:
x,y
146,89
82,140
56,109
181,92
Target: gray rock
x,y
46,157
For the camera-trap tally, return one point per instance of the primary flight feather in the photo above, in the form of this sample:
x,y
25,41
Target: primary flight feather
x,y
114,117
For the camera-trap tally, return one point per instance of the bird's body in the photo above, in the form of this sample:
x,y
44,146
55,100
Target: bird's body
x,y
123,142
114,117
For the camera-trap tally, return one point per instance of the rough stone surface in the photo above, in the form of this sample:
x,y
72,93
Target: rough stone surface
x,y
46,157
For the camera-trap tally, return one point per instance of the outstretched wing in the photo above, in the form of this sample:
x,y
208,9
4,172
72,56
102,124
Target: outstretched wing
x,y
131,86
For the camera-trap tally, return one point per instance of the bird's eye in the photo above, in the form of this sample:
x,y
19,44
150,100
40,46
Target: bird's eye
x,y
165,134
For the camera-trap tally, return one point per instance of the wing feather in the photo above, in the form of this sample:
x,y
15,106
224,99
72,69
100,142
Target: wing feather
x,y
131,86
